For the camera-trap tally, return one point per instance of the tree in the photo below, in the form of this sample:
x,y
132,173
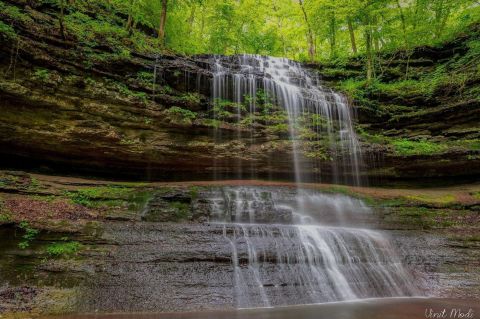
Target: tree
x,y
333,29
332,33
61,19
310,35
163,21
351,33
129,24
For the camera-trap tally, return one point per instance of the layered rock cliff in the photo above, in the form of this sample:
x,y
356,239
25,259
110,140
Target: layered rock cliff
x,y
80,110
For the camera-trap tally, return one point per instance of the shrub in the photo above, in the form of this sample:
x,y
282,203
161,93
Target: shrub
x,y
63,249
5,218
15,14
7,31
29,234
191,98
41,74
180,116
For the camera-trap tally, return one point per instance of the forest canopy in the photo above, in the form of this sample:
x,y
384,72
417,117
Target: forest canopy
x,y
301,29
304,30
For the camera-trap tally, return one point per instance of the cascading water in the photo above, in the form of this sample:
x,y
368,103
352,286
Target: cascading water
x,y
300,250
282,256
288,85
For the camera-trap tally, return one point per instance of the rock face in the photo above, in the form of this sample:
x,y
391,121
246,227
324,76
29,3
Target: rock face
x,y
427,94
58,115
151,247
195,260
66,110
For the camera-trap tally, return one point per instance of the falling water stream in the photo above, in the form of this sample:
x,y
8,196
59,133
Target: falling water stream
x,y
299,93
286,253
308,249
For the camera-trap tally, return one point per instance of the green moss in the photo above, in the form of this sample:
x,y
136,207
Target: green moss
x,y
273,118
63,249
420,217
146,77
190,97
34,184
430,199
126,91
5,218
281,128
391,202
338,189
194,190
352,87
94,197
314,121
181,211
470,144
371,138
403,88
405,147
473,238
211,123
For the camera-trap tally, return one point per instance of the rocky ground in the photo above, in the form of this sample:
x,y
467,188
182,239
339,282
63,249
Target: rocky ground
x,y
67,239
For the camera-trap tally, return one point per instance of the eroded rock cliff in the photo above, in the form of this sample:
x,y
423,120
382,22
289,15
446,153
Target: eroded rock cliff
x,y
89,110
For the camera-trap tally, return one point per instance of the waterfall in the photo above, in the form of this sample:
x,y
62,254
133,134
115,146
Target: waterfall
x,y
286,84
282,256
306,247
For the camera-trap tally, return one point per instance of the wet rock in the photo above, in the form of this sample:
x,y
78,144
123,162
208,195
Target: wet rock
x,y
17,299
174,206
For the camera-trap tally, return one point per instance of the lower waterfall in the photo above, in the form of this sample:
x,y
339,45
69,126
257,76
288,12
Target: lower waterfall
x,y
282,255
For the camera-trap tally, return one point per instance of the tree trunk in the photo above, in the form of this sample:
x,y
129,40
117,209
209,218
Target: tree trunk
x,y
129,24
368,45
61,19
333,35
442,11
163,20
376,42
280,27
443,23
191,18
352,35
202,23
310,37
404,25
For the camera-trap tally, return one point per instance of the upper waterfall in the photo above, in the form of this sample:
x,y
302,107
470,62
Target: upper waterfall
x,y
319,119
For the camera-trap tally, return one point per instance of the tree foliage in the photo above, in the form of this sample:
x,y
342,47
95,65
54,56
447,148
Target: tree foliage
x,y
314,29
299,29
